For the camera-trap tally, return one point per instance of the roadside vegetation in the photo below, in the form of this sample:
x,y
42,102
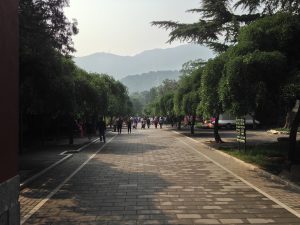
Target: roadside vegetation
x,y
55,94
256,70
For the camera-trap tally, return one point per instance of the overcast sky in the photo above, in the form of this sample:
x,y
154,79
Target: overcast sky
x,y
123,26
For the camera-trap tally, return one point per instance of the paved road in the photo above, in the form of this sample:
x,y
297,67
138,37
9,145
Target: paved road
x,y
150,177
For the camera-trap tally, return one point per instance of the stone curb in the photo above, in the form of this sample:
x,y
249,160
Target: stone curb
x,y
256,169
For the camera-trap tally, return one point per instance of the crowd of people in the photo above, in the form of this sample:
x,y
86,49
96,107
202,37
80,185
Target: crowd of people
x,y
133,122
88,128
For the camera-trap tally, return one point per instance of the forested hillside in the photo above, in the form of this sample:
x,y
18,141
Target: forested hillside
x,y
145,81
150,60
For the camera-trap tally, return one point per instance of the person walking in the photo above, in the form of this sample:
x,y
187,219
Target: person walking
x,y
148,122
161,121
143,123
129,122
119,125
155,122
101,126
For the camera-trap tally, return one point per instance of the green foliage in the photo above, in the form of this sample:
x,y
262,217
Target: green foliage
x,y
269,6
192,65
252,81
291,90
43,25
220,21
211,104
159,100
261,72
166,104
53,90
274,33
145,81
218,18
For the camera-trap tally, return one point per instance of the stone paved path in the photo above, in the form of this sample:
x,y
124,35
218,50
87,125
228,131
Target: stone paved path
x,y
150,177
285,194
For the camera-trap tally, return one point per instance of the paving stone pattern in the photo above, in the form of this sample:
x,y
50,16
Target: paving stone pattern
x,y
150,177
285,194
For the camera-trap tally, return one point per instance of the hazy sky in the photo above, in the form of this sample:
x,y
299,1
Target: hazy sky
x,y
123,26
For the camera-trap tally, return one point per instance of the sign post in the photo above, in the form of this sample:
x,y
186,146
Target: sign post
x,y
241,132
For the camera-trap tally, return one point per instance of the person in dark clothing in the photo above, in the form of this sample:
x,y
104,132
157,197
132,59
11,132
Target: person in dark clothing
x,y
119,125
101,126
155,122
148,122
129,122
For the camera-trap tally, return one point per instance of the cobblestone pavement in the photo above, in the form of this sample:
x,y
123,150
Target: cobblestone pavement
x,y
149,177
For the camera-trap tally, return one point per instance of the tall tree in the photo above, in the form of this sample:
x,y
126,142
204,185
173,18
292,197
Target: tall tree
x,y
46,71
211,104
186,98
221,20
265,66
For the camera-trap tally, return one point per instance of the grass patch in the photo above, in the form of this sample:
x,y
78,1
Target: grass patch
x,y
269,157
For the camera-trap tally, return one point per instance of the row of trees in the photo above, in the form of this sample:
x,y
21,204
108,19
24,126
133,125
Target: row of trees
x,y
256,71
53,90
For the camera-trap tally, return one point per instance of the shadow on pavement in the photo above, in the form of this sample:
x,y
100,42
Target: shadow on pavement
x,y
37,158
102,194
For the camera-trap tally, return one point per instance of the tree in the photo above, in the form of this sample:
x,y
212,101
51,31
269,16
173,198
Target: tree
x,y
46,71
44,25
119,103
220,21
211,104
251,84
186,98
264,65
166,104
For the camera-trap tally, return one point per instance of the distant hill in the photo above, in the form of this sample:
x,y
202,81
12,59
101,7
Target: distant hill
x,y
150,60
145,81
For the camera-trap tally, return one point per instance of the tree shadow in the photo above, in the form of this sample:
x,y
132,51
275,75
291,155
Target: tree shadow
x,y
103,193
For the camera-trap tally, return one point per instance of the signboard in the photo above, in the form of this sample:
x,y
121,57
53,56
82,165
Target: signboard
x,y
241,132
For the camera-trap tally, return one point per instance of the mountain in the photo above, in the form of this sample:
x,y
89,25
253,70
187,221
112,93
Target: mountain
x,y
145,81
150,60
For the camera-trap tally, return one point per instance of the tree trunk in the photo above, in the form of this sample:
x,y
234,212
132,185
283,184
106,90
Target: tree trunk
x,y
289,119
293,136
216,130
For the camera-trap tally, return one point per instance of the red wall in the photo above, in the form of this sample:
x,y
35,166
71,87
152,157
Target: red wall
x,y
9,88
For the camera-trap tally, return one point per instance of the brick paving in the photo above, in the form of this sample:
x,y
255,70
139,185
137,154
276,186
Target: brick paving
x,y
149,177
280,191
